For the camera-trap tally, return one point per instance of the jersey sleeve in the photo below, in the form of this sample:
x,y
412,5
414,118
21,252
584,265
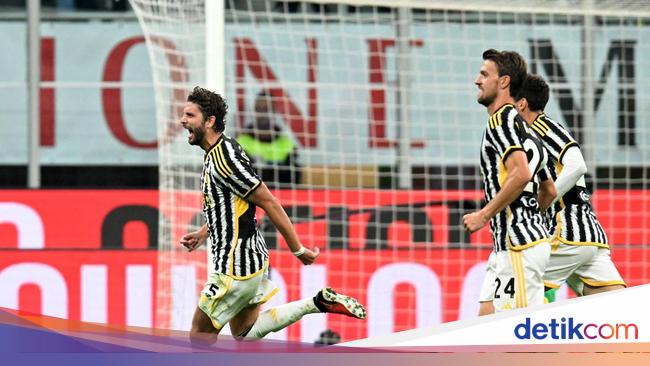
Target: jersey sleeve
x,y
554,136
233,169
504,133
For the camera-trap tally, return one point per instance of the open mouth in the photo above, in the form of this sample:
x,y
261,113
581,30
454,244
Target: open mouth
x,y
190,133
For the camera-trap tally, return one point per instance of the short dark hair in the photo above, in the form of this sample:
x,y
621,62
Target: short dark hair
x,y
210,104
536,92
509,63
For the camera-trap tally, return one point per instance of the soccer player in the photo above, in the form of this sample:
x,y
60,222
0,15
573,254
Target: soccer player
x,y
238,283
486,296
510,160
580,252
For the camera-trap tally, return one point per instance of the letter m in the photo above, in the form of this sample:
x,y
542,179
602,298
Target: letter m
x,y
542,53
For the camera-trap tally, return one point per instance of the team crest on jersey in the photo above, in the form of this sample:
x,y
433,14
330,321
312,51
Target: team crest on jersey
x,y
245,157
584,196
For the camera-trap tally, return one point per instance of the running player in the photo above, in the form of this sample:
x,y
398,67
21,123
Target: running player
x,y
580,249
510,158
238,283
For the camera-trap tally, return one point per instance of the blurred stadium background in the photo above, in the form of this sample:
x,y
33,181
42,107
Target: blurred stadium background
x,y
377,97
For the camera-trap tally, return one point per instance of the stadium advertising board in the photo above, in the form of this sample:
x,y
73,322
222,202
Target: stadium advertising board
x,y
97,87
90,255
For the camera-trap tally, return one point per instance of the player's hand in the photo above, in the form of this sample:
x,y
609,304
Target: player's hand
x,y
309,256
194,239
474,221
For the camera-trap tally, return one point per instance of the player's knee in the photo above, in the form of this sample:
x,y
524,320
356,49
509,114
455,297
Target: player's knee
x,y
203,333
486,308
247,334
200,327
200,339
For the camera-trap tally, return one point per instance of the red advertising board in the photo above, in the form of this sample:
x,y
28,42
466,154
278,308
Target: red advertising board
x,y
402,289
88,255
90,219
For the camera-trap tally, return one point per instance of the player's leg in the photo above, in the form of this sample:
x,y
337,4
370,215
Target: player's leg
x,y
209,316
249,326
529,266
486,306
222,299
550,290
576,285
244,321
591,290
519,277
600,274
504,283
203,332
564,261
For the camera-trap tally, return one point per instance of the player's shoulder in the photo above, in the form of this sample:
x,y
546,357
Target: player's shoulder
x,y
545,125
546,122
504,116
234,150
230,143
228,140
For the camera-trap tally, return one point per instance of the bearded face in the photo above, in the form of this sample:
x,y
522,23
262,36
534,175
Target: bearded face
x,y
194,123
487,82
196,135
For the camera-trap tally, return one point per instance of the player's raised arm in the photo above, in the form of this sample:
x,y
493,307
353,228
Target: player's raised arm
x,y
263,198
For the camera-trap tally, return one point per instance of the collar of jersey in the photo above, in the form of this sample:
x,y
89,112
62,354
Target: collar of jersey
x,y
216,143
502,108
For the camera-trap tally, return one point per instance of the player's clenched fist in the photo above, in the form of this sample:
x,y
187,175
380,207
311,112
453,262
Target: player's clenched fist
x,y
195,239
307,256
474,221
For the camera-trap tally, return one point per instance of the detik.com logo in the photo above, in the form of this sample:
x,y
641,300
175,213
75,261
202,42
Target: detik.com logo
x,y
569,328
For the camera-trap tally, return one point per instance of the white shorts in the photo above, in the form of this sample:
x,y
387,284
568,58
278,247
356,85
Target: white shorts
x,y
223,297
518,281
487,288
581,263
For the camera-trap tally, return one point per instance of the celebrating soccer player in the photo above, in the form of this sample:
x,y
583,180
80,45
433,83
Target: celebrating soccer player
x,y
238,283
510,159
582,254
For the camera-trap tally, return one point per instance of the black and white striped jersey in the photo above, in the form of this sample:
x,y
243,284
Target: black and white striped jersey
x,y
520,225
572,218
238,248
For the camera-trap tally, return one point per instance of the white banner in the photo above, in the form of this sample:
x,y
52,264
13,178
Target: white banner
x,y
337,79
614,317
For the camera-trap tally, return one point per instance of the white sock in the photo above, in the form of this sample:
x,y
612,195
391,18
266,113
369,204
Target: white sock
x,y
280,317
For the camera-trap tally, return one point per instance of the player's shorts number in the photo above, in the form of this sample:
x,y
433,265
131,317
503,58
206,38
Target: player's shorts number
x,y
509,288
212,290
